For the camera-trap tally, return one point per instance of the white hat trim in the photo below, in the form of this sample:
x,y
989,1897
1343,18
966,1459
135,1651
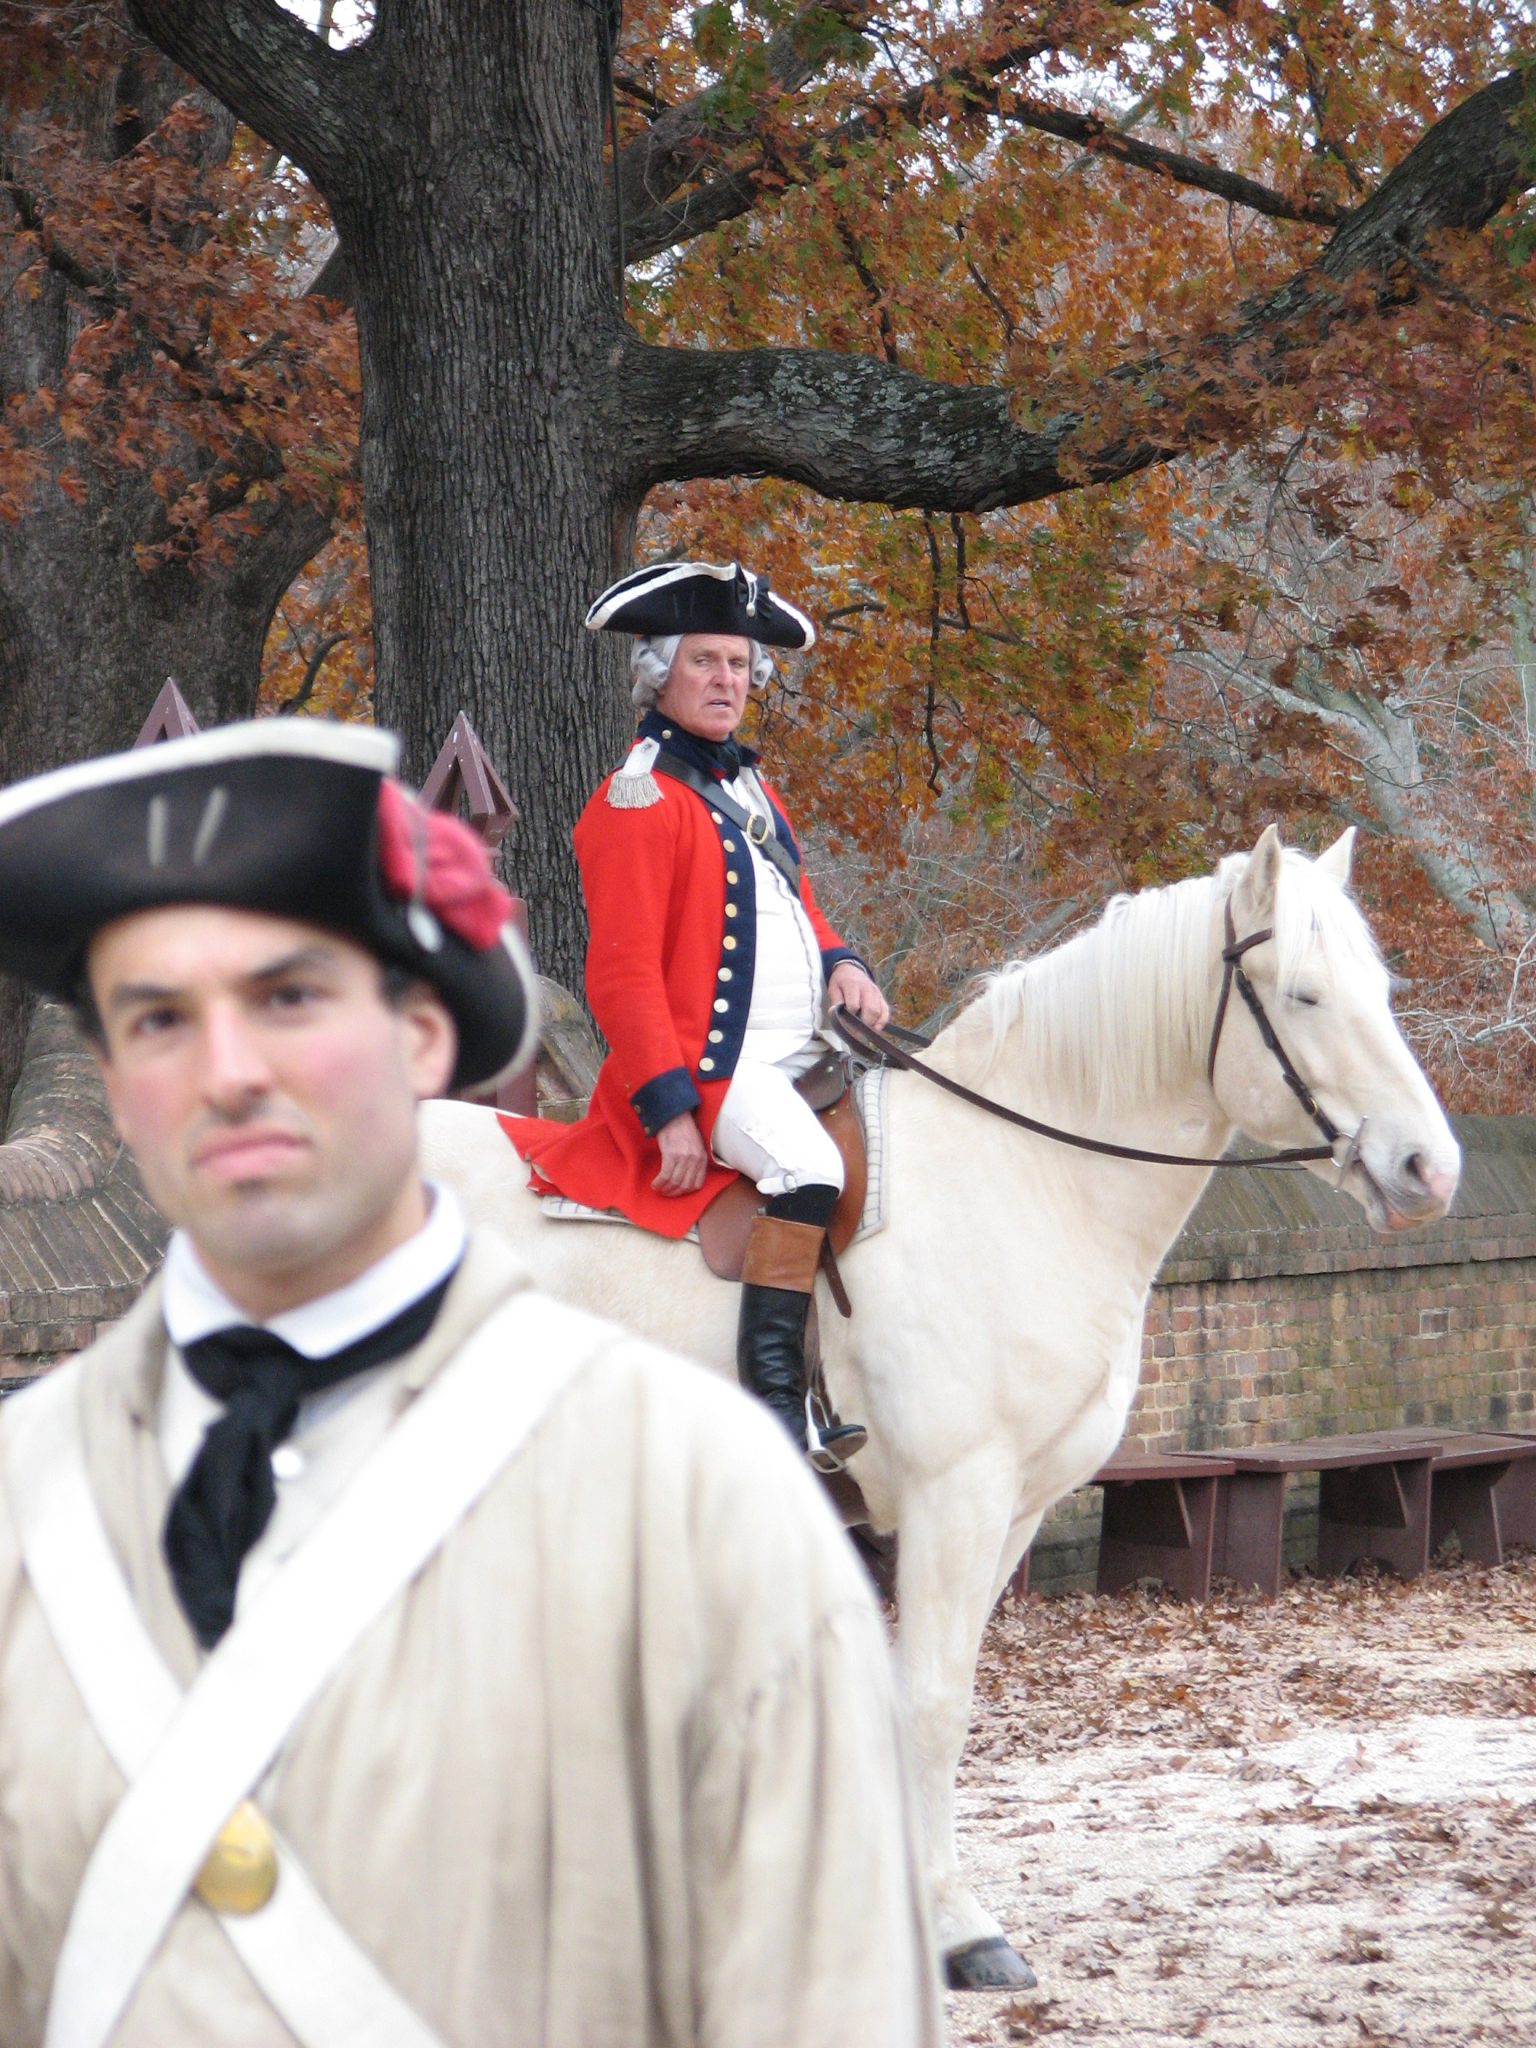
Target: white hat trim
x,y
353,746
618,594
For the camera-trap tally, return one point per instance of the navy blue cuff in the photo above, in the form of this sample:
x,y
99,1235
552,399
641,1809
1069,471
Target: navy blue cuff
x,y
669,1095
832,957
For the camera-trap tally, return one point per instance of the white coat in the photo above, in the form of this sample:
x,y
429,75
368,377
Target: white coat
x,y
620,1767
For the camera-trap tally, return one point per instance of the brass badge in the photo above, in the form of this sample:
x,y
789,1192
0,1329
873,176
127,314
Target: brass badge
x,y
239,1873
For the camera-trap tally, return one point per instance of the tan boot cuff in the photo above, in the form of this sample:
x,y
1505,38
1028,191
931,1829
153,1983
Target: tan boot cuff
x,y
782,1254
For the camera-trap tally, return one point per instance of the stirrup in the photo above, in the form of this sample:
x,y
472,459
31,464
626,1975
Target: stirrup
x,y
832,1441
835,1446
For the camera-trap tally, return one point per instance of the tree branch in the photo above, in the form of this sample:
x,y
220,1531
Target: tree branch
x,y
271,70
1103,138
848,426
970,90
317,660
728,197
852,427
737,191
667,154
652,228
1384,749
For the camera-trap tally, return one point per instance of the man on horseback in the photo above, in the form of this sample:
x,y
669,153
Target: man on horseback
x,y
708,969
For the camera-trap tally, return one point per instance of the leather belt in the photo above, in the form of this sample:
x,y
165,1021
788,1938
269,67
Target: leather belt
x,y
758,832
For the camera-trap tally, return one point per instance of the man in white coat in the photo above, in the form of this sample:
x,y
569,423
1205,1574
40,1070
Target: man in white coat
x,y
389,1655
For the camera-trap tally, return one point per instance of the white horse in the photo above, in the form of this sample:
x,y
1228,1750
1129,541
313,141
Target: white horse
x,y
995,1341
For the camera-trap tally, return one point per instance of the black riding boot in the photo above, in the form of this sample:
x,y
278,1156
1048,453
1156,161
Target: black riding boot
x,y
778,1275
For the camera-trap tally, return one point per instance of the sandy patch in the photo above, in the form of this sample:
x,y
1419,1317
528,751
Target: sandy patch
x,y
1257,1825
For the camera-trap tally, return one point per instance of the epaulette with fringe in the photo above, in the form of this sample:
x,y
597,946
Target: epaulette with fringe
x,y
633,787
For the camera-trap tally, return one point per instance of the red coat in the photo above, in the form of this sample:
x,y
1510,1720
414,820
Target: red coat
x,y
671,900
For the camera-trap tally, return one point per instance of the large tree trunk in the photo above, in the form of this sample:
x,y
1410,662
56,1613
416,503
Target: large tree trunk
x,y
460,152
87,640
496,507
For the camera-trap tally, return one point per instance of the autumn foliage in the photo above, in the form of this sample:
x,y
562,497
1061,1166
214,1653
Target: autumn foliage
x,y
164,253
1121,216
1313,615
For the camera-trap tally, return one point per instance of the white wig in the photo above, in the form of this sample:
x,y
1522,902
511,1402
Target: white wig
x,y
651,659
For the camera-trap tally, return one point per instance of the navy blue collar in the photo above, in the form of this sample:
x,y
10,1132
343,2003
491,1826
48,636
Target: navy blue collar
x,y
724,759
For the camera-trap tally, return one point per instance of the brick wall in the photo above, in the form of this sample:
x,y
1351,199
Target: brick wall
x,y
1280,1314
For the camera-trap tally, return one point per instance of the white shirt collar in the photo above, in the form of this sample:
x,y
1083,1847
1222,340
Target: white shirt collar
x,y
193,1306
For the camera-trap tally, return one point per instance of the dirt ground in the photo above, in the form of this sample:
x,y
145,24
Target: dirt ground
x,y
1255,1824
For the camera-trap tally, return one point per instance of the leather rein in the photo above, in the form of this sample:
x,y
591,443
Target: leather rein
x,y
887,1052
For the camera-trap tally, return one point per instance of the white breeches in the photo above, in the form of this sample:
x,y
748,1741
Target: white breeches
x,y
767,1132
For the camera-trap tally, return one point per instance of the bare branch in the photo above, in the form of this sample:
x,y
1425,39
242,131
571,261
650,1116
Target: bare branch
x,y
1104,138
312,668
269,68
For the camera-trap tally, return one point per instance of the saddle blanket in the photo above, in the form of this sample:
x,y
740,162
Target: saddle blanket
x,y
868,1100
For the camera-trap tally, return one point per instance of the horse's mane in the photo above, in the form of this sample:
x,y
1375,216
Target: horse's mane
x,y
1104,1019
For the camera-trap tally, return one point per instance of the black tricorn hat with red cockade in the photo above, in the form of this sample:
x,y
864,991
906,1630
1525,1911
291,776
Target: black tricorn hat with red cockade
x,y
294,817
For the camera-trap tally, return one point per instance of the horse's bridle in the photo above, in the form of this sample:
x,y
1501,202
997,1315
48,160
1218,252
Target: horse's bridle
x,y
889,1053
1232,972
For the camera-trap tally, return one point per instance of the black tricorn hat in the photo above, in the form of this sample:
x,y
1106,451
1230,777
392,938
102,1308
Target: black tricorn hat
x,y
294,817
700,597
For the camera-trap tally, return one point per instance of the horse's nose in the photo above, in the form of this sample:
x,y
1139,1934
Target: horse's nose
x,y
1437,1177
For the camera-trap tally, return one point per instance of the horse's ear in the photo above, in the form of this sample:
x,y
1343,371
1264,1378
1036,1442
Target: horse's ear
x,y
1334,862
1253,900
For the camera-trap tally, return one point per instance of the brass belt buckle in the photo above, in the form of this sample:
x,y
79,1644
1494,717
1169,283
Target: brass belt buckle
x,y
757,828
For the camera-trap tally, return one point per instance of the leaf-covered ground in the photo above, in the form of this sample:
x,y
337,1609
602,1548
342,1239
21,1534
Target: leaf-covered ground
x,y
1254,1824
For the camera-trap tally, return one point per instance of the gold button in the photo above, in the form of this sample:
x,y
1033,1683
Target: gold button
x,y
239,1873
724,974
717,817
729,845
716,1037
666,732
731,875
721,1004
730,910
706,1066
728,942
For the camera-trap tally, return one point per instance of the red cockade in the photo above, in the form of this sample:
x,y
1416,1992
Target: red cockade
x,y
431,858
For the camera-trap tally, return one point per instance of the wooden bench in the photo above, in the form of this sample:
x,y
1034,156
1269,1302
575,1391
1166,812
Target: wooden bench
x,y
1159,1522
1482,1489
1373,1503
1392,1496
1516,1494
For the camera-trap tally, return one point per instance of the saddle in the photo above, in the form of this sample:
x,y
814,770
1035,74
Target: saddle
x,y
725,1225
